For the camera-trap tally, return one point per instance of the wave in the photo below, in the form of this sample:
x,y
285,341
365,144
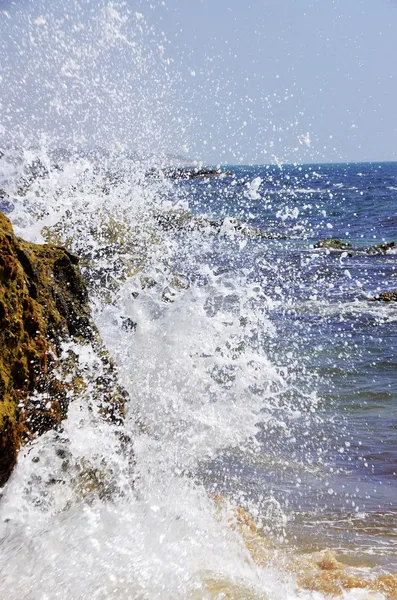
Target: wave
x,y
90,512
198,382
199,378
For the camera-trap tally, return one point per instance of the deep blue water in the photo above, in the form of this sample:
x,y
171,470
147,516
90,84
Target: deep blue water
x,y
341,345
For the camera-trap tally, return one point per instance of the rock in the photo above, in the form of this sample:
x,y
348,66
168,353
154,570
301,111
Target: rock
x,y
185,173
177,286
174,220
43,308
33,172
335,244
128,324
386,297
381,248
332,244
109,251
184,221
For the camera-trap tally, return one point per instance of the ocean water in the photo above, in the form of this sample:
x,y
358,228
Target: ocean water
x,y
262,384
332,338
261,376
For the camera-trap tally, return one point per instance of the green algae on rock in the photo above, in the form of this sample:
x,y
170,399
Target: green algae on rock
x,y
43,309
332,244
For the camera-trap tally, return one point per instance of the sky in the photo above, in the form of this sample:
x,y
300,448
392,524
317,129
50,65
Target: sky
x,y
222,81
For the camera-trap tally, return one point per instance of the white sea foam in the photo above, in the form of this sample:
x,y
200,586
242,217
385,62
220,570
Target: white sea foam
x,y
197,382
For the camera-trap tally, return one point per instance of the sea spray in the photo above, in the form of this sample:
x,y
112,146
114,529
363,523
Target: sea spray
x,y
198,377
86,76
200,381
221,414
211,396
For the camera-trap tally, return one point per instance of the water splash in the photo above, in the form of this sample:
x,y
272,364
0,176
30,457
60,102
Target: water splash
x,y
93,510
83,76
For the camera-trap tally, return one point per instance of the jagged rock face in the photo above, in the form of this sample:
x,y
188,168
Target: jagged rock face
x,y
43,303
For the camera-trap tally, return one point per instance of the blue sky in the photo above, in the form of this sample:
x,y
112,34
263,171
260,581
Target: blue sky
x,y
227,81
330,66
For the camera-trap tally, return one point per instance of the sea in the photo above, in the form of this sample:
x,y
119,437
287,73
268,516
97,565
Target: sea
x,y
261,370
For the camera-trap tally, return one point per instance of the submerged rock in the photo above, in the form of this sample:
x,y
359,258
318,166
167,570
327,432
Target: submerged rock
x,y
386,297
335,244
332,244
324,571
381,248
184,173
44,320
185,221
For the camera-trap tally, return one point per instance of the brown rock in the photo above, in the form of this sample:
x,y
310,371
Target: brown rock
x,y
386,297
43,302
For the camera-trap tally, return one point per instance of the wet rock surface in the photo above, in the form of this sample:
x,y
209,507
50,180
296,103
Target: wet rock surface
x,y
386,297
335,244
179,221
332,244
44,319
381,248
184,173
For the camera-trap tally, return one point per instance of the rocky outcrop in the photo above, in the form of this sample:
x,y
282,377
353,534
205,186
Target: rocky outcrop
x,y
386,297
332,244
381,248
182,221
44,320
109,249
184,173
335,244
